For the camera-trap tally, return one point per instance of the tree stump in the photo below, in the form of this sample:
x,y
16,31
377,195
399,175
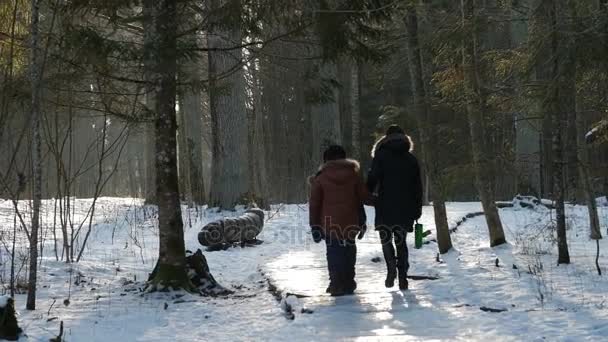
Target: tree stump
x,y
9,329
199,275
232,230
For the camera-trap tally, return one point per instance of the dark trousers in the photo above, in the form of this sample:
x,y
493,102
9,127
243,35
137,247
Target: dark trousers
x,y
392,239
341,259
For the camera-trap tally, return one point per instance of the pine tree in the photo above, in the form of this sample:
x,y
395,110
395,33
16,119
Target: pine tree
x,y
171,268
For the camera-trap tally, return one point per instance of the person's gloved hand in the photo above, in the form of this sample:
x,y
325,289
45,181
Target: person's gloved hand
x,y
362,232
317,234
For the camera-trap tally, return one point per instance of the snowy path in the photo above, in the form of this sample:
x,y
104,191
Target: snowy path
x,y
447,308
544,302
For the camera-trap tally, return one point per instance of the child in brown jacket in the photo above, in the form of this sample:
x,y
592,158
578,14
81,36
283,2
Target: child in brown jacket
x,y
336,215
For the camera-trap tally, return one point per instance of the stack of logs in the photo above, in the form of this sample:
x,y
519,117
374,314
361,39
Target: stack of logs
x,y
231,230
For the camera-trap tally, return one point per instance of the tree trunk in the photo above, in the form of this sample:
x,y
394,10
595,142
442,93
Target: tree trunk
x,y
36,86
585,179
149,157
230,169
275,112
171,273
423,111
475,108
567,53
325,113
558,104
191,108
183,157
257,153
539,29
559,188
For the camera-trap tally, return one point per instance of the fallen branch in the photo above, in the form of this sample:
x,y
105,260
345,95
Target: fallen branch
x,y
597,257
486,309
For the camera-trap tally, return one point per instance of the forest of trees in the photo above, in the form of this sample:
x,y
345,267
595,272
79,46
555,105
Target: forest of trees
x,y
225,102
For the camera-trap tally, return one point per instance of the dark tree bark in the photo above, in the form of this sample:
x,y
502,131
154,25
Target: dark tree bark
x,y
36,86
560,103
171,272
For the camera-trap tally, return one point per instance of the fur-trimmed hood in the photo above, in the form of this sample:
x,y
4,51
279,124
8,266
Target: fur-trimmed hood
x,y
347,163
398,142
337,164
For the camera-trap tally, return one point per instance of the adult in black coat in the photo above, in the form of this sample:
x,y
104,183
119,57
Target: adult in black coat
x,y
395,179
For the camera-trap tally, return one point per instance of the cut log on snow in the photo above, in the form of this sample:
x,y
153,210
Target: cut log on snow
x,y
9,329
232,230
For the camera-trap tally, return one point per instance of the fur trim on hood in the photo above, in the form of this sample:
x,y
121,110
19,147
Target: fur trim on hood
x,y
393,137
341,162
338,162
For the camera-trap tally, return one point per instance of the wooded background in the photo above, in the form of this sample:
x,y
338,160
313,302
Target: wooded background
x,y
225,102
264,85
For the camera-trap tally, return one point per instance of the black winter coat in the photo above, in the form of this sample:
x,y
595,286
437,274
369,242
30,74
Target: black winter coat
x,y
395,177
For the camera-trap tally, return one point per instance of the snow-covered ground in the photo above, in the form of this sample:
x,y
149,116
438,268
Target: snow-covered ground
x,y
98,299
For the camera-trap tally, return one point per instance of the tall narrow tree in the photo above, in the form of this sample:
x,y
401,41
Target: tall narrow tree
x,y
560,101
230,167
475,108
162,70
191,107
257,151
36,87
423,114
583,167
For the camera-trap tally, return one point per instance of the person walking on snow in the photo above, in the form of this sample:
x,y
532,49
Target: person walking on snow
x,y
337,215
395,177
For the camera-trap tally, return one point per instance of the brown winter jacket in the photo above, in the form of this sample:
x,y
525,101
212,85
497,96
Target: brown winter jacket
x,y
337,194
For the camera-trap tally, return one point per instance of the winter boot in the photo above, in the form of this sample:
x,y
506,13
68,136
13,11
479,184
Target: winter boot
x,y
350,288
403,285
335,290
391,274
389,257
391,268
